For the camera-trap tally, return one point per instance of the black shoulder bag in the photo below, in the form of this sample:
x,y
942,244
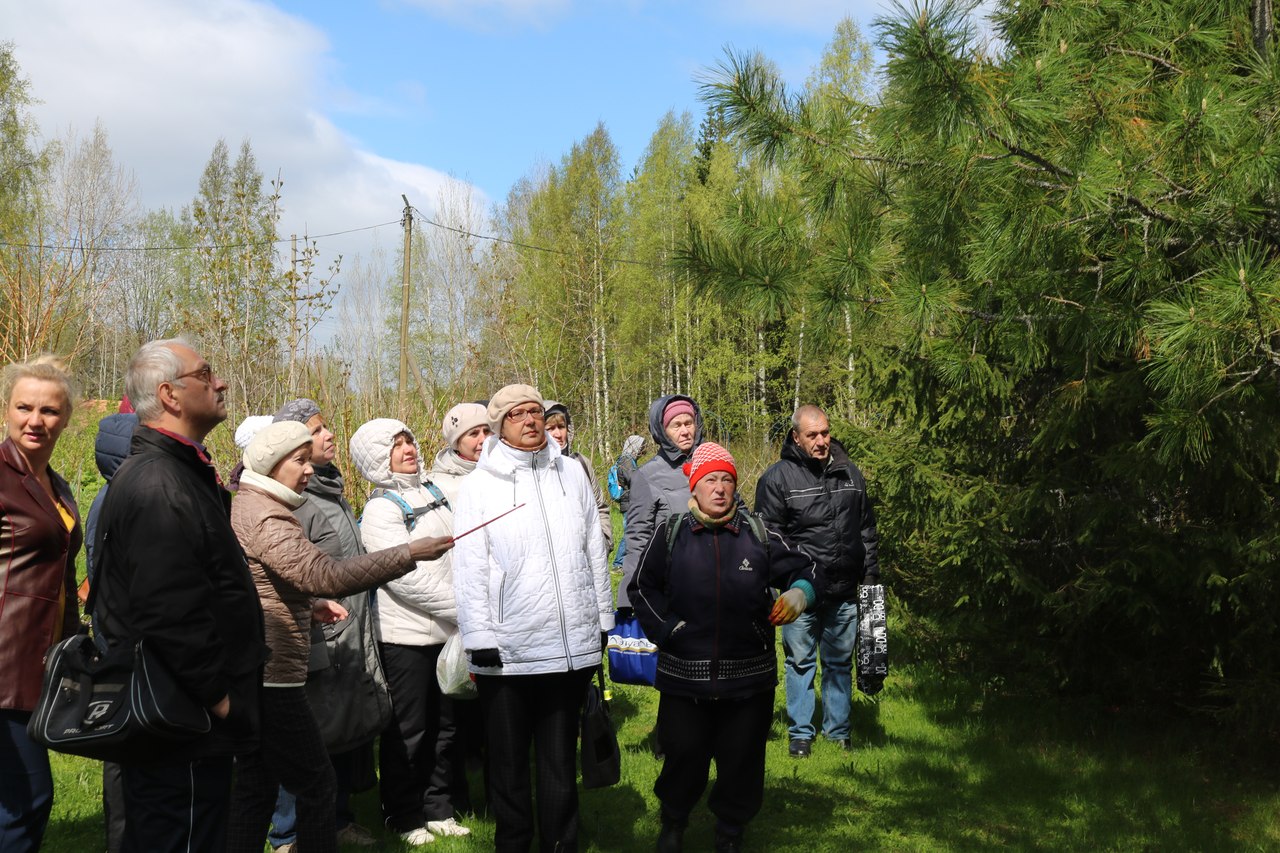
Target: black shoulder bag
x,y
111,705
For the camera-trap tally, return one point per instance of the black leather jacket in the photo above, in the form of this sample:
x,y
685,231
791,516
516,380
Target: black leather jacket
x,y
825,510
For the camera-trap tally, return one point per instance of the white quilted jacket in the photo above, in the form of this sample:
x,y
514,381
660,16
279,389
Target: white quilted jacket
x,y
417,609
534,584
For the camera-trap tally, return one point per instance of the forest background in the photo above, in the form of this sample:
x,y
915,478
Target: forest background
x,y
1034,278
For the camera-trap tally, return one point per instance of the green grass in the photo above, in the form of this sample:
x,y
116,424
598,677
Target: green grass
x,y
937,766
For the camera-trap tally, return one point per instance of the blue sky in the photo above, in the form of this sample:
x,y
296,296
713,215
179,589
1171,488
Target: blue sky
x,y
486,95
355,103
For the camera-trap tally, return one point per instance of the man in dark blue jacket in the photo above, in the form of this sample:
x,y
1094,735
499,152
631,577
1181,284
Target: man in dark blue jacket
x,y
818,499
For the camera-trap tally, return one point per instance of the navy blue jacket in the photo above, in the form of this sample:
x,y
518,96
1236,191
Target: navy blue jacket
x,y
706,605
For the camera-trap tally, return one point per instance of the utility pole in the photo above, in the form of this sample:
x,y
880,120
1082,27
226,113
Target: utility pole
x,y
407,221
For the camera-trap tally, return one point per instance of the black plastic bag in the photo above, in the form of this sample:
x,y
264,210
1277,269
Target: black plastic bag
x,y
601,760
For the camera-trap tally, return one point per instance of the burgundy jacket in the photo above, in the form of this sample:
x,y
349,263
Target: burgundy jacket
x,y
37,577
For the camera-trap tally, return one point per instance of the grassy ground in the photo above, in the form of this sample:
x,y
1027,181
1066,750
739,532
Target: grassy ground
x,y
937,767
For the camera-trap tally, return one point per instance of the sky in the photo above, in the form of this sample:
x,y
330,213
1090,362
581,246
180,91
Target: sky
x,y
354,102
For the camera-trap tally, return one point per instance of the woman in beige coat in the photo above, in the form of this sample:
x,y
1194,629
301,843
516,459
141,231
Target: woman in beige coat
x,y
290,572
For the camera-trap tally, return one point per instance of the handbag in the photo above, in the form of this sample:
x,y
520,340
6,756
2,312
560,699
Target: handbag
x,y
873,639
633,659
111,705
451,670
601,760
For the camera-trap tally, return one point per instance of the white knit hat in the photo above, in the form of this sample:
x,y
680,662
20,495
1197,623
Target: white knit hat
x,y
461,419
249,428
273,443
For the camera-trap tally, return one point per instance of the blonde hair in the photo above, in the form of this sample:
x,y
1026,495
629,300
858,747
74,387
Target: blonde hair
x,y
47,368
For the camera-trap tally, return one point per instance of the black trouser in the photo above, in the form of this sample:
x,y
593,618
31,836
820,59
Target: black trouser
x,y
292,754
177,807
733,732
113,805
539,712
418,749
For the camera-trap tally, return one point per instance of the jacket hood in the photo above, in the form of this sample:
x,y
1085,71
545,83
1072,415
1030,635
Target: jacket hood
x,y
327,480
555,407
115,432
666,447
449,462
502,459
371,453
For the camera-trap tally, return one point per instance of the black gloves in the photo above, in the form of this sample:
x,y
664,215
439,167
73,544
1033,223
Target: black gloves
x,y
486,657
604,641
625,613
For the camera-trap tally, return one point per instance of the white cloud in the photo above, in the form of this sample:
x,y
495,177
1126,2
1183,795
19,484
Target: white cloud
x,y
168,78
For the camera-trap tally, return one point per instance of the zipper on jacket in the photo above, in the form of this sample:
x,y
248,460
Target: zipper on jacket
x,y
715,645
551,555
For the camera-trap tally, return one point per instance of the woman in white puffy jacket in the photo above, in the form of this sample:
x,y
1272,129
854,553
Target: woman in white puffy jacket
x,y
416,614
533,605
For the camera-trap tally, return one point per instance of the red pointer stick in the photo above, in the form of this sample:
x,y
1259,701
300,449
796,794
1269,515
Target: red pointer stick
x,y
482,524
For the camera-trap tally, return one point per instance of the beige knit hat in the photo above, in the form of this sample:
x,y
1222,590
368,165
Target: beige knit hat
x,y
507,399
273,443
461,419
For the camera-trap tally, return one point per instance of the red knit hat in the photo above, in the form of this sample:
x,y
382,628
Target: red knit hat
x,y
708,457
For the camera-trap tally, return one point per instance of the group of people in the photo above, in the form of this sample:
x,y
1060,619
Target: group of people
x,y
307,632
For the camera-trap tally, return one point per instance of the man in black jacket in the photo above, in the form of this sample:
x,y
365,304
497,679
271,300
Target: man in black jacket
x,y
172,571
818,499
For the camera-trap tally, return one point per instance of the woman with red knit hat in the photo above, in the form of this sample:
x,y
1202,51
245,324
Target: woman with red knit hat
x,y
703,594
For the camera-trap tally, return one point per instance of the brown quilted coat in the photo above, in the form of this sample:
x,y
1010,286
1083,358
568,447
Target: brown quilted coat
x,y
290,572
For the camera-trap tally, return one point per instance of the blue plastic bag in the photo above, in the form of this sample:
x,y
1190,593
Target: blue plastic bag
x,y
632,658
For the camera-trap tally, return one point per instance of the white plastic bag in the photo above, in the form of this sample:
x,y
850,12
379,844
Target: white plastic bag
x,y
451,670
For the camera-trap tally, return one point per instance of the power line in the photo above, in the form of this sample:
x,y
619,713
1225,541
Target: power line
x,y
280,240
520,245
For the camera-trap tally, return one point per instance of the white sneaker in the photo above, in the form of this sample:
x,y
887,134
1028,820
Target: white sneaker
x,y
417,837
448,826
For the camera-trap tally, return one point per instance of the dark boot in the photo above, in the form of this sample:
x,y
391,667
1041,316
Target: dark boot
x,y
671,838
728,843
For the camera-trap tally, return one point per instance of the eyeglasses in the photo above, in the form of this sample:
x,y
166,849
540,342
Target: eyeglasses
x,y
516,416
204,374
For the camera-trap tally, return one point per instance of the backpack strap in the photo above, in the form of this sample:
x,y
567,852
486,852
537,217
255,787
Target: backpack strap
x,y
440,499
673,528
409,513
756,523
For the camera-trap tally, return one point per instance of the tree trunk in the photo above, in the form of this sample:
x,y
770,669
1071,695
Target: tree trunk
x,y
1262,17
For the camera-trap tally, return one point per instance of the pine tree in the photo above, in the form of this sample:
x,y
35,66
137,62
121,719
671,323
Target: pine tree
x,y
1062,251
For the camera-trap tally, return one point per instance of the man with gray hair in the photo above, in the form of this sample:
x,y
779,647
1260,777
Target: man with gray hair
x,y
172,571
818,499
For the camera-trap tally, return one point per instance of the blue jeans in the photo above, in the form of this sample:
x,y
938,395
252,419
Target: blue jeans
x,y
284,820
622,548
26,785
830,630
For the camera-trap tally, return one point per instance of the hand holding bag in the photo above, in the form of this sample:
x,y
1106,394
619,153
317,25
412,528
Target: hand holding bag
x,y
601,760
633,658
873,639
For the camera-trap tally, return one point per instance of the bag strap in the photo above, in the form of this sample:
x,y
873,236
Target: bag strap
x,y
412,514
